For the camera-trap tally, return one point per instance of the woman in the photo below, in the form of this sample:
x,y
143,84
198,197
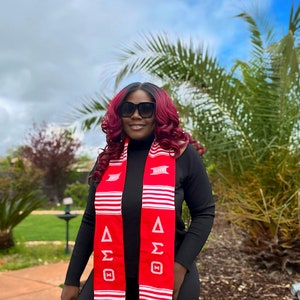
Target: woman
x,y
132,220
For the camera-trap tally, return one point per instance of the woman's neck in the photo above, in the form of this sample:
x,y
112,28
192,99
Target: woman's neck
x,y
141,144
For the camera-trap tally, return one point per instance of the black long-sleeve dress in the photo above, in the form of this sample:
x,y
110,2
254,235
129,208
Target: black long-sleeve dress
x,y
192,186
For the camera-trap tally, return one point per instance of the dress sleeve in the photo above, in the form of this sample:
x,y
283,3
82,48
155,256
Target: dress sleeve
x,y
199,199
84,242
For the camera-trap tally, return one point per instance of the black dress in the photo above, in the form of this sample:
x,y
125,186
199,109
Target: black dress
x,y
192,185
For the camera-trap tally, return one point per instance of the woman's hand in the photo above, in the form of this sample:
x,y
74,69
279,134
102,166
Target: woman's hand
x,y
70,292
179,273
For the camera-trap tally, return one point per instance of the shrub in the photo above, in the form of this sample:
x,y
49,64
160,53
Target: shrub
x,y
78,192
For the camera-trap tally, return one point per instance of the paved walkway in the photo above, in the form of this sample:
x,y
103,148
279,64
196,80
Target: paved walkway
x,y
41,282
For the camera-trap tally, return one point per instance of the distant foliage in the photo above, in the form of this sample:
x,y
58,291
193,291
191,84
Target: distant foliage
x,y
52,151
78,192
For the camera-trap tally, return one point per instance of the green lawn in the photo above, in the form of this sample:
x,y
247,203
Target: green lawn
x,y
45,228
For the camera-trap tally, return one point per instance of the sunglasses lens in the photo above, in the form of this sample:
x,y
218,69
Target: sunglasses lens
x,y
127,109
145,109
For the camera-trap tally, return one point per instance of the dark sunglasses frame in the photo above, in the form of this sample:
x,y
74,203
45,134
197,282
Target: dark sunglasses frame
x,y
127,109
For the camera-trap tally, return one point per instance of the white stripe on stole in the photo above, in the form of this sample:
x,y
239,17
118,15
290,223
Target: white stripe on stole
x,y
109,295
158,197
152,293
116,162
155,151
119,161
108,203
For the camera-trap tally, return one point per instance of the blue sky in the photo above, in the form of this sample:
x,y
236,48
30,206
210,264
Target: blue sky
x,y
53,52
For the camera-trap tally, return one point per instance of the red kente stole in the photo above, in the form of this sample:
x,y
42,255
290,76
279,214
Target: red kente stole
x,y
157,229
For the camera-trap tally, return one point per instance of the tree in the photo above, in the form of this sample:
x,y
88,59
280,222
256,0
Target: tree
x,y
249,119
53,152
19,196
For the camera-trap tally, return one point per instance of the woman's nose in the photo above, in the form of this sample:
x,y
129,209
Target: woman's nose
x,y
136,114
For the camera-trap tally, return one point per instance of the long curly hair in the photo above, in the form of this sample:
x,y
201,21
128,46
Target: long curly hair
x,y
168,132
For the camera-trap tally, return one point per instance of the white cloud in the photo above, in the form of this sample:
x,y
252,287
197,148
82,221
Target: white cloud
x,y
52,52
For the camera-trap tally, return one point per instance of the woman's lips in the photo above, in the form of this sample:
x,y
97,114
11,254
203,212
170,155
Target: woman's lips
x,y
136,126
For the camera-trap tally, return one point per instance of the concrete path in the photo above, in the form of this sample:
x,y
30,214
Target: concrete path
x,y
41,282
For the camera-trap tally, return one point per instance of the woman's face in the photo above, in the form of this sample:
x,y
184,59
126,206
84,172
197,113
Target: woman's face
x,y
135,126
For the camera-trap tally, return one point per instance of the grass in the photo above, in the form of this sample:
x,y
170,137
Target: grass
x,y
39,228
45,228
22,256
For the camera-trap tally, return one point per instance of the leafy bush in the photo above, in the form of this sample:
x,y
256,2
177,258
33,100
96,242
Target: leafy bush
x,y
266,203
78,192
19,196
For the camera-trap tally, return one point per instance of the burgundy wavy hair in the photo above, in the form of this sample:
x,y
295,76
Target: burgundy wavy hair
x,y
168,132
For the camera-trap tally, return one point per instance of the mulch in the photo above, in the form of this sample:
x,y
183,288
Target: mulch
x,y
226,272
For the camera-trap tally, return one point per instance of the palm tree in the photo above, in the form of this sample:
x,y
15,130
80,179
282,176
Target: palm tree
x,y
14,209
249,120
19,196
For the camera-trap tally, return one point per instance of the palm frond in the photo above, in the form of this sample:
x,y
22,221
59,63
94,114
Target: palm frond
x,y
14,209
247,108
248,118
91,112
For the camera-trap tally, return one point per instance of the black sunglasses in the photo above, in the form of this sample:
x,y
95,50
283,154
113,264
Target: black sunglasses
x,y
145,109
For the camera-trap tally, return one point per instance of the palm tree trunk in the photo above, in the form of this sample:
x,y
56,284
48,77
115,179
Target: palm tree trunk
x,y
6,239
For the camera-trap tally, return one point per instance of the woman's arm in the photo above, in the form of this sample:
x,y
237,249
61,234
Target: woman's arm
x,y
83,247
198,196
